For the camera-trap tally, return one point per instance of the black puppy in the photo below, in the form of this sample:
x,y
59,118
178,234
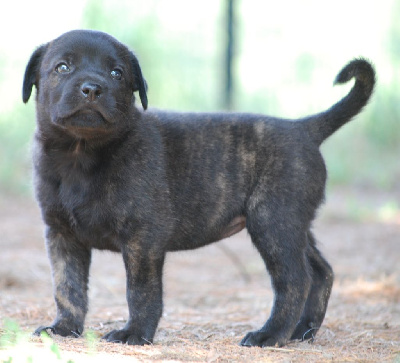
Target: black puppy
x,y
110,176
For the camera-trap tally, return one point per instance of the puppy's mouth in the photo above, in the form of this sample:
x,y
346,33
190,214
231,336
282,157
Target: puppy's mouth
x,y
83,122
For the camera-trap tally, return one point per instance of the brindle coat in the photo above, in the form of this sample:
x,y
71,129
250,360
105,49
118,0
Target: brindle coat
x,y
111,176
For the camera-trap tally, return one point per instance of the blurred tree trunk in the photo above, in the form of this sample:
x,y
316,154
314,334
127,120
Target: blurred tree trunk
x,y
229,55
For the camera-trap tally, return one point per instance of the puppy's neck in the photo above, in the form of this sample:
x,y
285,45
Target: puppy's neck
x,y
79,147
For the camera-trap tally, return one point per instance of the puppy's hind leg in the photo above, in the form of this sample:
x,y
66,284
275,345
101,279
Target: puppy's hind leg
x,y
317,301
281,241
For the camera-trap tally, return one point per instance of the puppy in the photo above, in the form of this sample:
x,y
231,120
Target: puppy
x,y
109,176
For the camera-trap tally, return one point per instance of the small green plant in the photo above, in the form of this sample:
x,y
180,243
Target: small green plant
x,y
11,334
91,341
15,346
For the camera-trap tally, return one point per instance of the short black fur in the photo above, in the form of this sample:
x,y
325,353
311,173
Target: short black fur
x,y
111,176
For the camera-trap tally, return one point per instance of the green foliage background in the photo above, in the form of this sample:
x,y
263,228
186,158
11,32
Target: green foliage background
x,y
181,46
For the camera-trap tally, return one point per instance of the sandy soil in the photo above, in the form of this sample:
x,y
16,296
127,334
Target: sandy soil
x,y
216,294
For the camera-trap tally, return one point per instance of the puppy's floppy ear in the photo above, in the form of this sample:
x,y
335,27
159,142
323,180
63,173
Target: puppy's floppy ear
x,y
140,83
31,72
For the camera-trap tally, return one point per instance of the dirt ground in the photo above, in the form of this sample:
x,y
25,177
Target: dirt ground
x,y
216,294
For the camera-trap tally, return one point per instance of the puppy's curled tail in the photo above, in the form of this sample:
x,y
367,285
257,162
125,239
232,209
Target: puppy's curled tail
x,y
323,125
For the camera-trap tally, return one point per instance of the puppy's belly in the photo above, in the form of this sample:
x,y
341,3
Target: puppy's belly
x,y
235,226
185,239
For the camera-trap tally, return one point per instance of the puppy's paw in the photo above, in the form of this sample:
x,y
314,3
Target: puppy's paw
x,y
125,337
261,339
305,331
58,329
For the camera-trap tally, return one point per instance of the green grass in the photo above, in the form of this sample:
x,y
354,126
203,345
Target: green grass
x,y
17,345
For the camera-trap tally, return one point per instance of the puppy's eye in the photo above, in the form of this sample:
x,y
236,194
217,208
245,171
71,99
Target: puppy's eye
x,y
116,74
62,68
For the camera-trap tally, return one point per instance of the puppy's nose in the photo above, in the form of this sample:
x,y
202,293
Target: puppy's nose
x,y
91,91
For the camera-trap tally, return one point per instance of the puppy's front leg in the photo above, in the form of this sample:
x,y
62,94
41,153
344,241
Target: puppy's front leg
x,y
144,267
70,262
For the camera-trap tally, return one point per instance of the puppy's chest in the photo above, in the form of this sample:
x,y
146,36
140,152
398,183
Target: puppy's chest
x,y
93,209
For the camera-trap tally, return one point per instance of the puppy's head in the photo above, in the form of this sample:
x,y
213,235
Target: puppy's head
x,y
85,82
